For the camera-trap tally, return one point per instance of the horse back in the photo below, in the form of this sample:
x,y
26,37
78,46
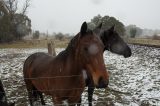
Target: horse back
x,y
34,61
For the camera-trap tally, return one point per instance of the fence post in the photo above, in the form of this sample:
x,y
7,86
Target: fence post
x,y
51,48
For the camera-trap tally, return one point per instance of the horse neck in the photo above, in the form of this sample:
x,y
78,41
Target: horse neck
x,y
73,54
74,62
67,62
102,38
71,67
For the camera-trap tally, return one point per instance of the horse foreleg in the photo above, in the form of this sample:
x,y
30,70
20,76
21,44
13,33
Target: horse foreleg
x,y
41,97
75,101
79,102
30,90
57,101
90,94
30,97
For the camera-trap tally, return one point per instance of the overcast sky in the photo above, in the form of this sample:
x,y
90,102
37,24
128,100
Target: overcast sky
x,y
67,15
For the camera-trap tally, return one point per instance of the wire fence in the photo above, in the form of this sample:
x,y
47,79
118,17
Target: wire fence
x,y
69,89
97,101
66,76
107,103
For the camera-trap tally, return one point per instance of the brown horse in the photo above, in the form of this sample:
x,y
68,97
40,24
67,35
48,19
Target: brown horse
x,y
111,40
62,76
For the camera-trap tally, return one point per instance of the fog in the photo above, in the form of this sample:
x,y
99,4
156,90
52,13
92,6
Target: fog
x,y
67,15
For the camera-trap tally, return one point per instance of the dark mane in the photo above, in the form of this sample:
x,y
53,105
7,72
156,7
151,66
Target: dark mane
x,y
72,44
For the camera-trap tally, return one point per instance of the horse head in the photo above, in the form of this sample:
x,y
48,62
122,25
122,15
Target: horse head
x,y
112,41
90,50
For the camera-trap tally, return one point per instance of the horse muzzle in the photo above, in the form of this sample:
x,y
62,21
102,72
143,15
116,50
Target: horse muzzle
x,y
128,53
102,83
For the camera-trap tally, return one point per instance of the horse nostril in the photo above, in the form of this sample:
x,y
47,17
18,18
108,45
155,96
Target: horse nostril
x,y
100,80
102,83
128,53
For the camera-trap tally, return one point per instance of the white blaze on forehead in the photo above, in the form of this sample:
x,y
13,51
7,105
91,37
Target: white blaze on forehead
x,y
93,49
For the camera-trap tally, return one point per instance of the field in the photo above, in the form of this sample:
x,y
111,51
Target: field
x,y
42,43
144,42
35,43
134,81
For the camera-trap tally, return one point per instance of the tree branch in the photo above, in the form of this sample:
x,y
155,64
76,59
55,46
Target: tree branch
x,y
25,7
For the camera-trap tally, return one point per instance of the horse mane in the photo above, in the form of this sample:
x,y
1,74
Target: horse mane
x,y
73,43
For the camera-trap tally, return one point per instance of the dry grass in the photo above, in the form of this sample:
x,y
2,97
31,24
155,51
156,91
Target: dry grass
x,y
63,43
144,41
35,44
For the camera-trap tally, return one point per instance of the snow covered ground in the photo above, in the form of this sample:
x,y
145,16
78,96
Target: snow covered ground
x,y
134,81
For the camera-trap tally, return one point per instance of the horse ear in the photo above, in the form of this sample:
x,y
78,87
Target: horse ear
x,y
112,28
99,26
97,30
83,28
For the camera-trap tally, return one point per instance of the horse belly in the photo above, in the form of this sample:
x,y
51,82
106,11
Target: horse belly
x,y
43,85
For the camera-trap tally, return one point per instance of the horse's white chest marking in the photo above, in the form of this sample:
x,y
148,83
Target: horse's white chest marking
x,y
84,74
93,49
65,103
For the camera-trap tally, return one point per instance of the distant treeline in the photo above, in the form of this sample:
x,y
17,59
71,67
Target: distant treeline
x,y
61,36
13,25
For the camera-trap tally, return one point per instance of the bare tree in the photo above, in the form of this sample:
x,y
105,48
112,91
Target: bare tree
x,y
3,7
16,21
12,6
25,7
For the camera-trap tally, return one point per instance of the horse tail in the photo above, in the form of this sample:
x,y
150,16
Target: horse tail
x,y
31,89
26,68
33,92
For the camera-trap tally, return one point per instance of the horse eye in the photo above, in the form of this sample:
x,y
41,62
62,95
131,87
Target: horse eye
x,y
114,39
85,49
